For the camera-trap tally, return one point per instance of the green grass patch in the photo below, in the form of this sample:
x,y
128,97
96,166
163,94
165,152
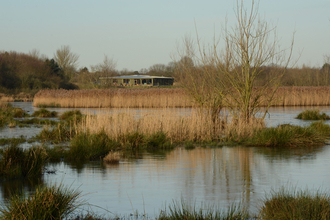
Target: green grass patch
x,y
85,146
36,121
56,153
312,114
44,113
182,210
48,202
8,113
288,136
290,204
56,134
19,163
72,116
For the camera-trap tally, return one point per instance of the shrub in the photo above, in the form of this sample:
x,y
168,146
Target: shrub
x,y
313,114
296,204
54,202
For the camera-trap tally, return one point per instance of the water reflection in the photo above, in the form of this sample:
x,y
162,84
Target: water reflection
x,y
212,175
8,188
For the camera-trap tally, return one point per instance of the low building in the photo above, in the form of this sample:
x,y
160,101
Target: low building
x,y
138,80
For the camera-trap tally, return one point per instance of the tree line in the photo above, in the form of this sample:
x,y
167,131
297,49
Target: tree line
x,y
29,73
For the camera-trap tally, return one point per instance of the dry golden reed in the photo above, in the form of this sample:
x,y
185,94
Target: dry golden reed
x,y
114,98
112,157
178,126
166,98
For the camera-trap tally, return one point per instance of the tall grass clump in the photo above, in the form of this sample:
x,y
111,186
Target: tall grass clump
x,y
8,113
312,114
48,202
87,146
290,204
286,136
322,128
19,163
44,113
56,134
182,210
73,116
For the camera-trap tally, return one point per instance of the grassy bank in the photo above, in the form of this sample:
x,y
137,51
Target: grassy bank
x,y
165,97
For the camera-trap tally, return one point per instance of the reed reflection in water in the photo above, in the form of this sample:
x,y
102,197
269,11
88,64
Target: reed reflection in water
x,y
211,175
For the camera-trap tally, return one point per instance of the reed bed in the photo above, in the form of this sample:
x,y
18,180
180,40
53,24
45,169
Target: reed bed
x,y
176,127
113,98
166,98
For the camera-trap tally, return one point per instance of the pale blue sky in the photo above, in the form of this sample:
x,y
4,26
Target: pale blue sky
x,y
140,33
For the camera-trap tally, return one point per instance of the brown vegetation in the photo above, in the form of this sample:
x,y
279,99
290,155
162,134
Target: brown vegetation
x,y
178,126
114,98
166,98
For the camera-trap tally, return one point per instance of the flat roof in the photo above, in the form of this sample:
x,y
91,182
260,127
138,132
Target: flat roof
x,y
135,77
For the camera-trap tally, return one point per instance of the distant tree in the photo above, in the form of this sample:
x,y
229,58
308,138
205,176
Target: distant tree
x,y
55,68
34,53
107,68
67,60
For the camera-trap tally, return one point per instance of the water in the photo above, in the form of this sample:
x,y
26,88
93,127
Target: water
x,y
147,182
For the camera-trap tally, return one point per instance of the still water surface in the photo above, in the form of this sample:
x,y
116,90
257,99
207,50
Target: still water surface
x,y
221,176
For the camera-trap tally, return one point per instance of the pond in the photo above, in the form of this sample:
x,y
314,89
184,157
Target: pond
x,y
148,181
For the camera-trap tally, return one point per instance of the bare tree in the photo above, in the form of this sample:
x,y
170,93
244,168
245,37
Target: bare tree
x,y
250,45
34,53
67,60
107,68
229,76
197,75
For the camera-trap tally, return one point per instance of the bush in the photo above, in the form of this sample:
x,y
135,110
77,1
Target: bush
x,y
312,115
296,204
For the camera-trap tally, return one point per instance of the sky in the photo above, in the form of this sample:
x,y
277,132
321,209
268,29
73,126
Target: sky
x,y
140,33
